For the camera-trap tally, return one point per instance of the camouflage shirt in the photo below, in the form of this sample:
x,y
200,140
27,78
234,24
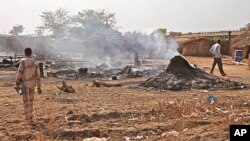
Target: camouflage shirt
x,y
29,73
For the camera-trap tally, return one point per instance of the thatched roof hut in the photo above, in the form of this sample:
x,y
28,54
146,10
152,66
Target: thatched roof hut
x,y
105,41
242,42
197,47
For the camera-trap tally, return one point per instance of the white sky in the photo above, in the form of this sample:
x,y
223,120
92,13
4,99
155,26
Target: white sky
x,y
142,15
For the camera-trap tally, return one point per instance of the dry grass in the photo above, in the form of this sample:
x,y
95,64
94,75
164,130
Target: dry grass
x,y
40,137
172,110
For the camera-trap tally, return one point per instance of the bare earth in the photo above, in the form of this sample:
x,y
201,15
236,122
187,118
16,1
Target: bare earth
x,y
124,113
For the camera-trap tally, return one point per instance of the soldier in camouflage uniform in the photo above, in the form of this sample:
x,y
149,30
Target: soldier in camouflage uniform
x,y
28,75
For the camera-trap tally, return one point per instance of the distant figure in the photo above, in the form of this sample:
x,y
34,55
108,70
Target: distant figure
x,y
137,61
215,50
28,75
11,60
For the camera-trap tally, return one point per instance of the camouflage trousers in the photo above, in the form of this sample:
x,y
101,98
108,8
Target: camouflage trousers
x,y
28,98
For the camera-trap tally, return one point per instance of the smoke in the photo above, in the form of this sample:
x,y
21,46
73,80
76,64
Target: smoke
x,y
109,47
15,45
104,46
159,46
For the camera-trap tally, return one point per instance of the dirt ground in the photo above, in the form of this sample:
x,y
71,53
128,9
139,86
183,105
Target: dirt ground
x,y
126,113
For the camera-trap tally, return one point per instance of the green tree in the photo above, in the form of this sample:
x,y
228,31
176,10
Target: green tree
x,y
89,21
162,30
57,22
16,30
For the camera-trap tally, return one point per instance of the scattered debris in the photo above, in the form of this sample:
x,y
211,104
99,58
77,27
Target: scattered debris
x,y
99,84
95,139
174,133
126,138
212,99
83,70
126,70
66,88
138,137
103,66
69,115
69,73
114,77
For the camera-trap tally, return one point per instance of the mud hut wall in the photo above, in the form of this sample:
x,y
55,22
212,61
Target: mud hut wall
x,y
197,48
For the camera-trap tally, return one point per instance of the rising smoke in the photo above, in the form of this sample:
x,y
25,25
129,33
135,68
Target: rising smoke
x,y
106,46
110,47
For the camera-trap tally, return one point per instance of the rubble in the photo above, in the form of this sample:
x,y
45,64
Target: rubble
x,y
99,84
63,73
95,139
90,75
180,74
66,88
83,70
110,73
134,72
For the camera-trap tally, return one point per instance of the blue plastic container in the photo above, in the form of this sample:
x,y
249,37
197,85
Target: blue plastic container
x,y
238,55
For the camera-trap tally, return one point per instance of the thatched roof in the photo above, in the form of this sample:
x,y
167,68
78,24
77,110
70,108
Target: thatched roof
x,y
105,37
68,44
197,39
242,41
181,40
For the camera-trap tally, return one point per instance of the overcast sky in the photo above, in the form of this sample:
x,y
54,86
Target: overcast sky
x,y
140,15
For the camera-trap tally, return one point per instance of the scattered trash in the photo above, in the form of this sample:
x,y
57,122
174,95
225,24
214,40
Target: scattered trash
x,y
205,91
69,116
95,139
174,133
138,137
99,84
184,130
126,138
194,114
222,111
212,99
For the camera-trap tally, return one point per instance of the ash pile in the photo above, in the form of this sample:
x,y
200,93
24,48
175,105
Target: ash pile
x,y
180,74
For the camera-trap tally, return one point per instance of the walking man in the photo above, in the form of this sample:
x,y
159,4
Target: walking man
x,y
215,50
27,77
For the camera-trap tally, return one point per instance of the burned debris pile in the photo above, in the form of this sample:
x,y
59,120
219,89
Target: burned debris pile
x,y
180,74
103,72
